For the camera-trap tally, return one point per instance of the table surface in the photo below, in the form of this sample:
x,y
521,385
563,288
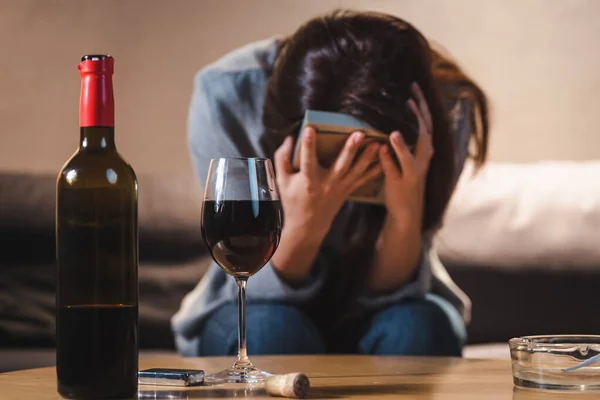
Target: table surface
x,y
332,377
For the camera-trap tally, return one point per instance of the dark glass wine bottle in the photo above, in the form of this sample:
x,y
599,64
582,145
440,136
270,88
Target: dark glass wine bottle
x,y
97,252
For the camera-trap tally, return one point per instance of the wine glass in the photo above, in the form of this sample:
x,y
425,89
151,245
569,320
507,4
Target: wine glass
x,y
241,226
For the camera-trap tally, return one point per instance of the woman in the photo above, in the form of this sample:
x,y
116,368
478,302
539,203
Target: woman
x,y
347,277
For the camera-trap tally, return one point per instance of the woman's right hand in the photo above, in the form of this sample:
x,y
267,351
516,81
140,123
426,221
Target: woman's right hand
x,y
312,196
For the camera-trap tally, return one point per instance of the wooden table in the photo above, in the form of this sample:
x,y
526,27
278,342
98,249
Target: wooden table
x,y
332,377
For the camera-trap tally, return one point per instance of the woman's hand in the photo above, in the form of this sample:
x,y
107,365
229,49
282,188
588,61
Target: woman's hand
x,y
399,246
405,186
312,196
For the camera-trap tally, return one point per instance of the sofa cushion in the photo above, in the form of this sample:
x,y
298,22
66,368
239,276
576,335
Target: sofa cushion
x,y
530,215
169,214
509,302
173,256
27,301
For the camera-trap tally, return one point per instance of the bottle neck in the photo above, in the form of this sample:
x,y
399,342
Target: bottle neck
x,y
96,105
97,138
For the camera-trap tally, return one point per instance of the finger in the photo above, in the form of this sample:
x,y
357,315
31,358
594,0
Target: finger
x,y
308,156
406,159
364,161
387,163
424,146
423,106
283,155
348,153
420,119
368,176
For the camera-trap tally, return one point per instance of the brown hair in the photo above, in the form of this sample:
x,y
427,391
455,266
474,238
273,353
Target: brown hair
x,y
363,64
457,85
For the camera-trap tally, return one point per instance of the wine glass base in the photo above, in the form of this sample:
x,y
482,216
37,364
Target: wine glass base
x,y
238,373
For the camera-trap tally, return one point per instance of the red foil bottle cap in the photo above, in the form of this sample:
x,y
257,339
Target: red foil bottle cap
x,y
96,105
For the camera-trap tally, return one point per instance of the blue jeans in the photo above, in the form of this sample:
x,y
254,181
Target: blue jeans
x,y
419,327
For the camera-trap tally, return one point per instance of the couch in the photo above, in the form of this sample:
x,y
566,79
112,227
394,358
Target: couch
x,y
519,273
172,260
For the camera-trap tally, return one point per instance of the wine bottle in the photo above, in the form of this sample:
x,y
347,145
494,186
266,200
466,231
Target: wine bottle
x,y
97,252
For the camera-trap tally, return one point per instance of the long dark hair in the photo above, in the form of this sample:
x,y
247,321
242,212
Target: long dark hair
x,y
458,85
363,64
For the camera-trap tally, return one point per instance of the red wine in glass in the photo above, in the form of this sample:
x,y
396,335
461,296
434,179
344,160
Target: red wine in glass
x,y
242,220
242,235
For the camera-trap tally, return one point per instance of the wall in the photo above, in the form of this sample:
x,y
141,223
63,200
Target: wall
x,y
537,60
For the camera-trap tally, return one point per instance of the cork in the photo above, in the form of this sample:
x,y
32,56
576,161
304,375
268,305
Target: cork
x,y
294,385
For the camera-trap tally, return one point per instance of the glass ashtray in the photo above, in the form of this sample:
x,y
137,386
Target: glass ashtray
x,y
559,362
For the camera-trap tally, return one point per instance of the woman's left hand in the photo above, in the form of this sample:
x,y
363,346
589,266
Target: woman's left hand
x,y
399,246
405,186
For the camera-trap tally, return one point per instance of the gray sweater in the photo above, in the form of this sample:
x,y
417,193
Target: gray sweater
x,y
225,120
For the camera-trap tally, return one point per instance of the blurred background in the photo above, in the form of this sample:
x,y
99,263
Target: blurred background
x,y
536,59
522,238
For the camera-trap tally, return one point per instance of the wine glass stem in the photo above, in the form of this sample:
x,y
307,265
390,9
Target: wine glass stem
x,y
242,354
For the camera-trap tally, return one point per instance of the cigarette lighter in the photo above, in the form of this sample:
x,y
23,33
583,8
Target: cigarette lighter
x,y
171,377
